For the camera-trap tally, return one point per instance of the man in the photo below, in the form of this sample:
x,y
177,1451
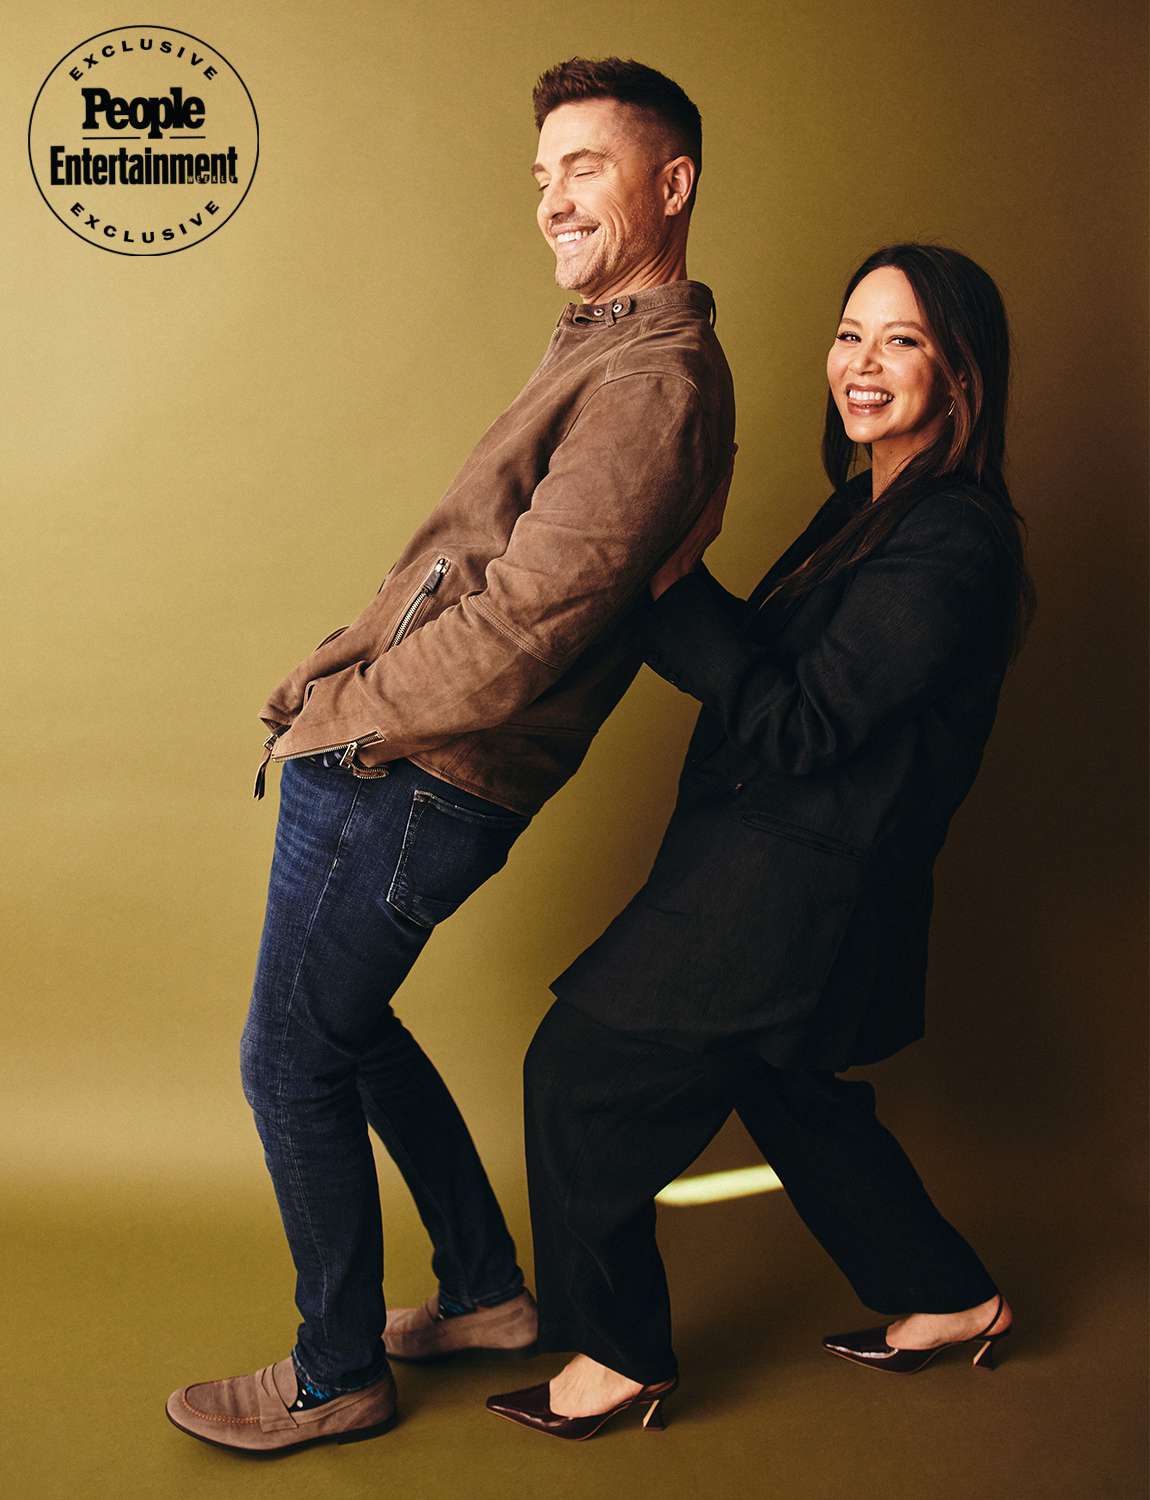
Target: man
x,y
418,741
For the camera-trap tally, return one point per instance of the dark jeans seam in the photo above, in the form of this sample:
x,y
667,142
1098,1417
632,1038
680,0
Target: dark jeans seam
x,y
286,1133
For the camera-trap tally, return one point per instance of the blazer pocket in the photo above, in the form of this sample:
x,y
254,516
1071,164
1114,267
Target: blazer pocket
x,y
797,834
448,852
755,911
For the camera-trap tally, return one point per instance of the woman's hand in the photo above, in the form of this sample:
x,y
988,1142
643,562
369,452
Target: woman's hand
x,y
688,553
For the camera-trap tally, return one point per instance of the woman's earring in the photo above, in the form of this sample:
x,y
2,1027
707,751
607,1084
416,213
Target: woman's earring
x,y
950,409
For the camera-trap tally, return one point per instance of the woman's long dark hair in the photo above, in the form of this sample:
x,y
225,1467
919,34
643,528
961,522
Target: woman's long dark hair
x,y
963,312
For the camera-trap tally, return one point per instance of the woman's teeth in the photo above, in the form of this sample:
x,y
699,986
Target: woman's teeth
x,y
868,398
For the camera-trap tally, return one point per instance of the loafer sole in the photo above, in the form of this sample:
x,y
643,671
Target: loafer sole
x,y
355,1435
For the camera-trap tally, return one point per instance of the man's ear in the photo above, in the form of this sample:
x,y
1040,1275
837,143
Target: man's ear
x,y
680,182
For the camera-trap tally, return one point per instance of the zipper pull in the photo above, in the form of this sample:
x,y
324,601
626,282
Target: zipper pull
x,y
348,755
261,774
435,577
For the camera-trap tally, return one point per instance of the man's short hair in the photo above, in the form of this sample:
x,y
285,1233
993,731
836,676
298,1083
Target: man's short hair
x,y
628,82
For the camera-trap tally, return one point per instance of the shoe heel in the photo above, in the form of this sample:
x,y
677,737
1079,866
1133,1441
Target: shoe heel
x,y
984,1359
361,1434
654,1418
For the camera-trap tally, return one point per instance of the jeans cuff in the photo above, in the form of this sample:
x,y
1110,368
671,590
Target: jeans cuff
x,y
336,1387
457,1304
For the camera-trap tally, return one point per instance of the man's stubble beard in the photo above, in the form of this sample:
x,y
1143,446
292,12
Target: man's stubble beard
x,y
588,273
642,246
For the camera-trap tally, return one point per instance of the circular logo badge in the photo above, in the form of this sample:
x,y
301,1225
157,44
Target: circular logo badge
x,y
143,140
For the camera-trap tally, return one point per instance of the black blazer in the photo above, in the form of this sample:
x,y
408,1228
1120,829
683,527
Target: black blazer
x,y
790,900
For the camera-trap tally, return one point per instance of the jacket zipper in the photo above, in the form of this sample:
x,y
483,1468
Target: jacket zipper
x,y
406,621
349,748
415,607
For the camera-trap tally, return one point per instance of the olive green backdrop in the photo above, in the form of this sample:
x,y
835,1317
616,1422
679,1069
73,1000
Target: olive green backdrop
x,y
211,458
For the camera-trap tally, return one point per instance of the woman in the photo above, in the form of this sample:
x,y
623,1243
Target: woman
x,y
781,935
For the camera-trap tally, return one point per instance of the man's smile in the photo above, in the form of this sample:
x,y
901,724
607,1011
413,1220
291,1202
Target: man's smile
x,y
573,236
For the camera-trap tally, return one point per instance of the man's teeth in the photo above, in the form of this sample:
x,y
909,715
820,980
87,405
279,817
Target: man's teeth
x,y
572,234
868,398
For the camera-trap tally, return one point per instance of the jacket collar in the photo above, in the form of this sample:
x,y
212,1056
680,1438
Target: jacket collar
x,y
673,296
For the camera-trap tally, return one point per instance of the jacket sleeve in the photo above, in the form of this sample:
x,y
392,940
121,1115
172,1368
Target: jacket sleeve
x,y
622,488
916,612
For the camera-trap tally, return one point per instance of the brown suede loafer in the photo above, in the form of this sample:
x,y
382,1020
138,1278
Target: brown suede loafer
x,y
419,1333
254,1413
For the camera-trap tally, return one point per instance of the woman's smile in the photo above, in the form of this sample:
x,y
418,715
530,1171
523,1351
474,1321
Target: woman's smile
x,y
867,400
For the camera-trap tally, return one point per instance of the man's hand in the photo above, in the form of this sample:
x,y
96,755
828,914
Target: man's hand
x,y
690,550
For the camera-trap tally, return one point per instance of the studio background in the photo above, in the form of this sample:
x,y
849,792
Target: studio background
x,y
211,459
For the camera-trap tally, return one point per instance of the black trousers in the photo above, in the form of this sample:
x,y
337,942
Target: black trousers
x,y
612,1117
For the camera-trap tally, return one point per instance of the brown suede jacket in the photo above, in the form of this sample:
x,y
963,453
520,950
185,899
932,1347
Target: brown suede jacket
x,y
505,633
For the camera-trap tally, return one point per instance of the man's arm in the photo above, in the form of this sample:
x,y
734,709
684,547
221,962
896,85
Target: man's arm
x,y
622,488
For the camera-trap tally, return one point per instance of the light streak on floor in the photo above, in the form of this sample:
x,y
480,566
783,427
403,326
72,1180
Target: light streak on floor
x,y
716,1187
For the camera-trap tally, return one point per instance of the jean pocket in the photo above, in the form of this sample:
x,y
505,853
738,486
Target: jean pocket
x,y
448,852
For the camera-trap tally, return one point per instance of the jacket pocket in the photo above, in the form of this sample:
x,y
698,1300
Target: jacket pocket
x,y
448,851
824,842
418,602
761,911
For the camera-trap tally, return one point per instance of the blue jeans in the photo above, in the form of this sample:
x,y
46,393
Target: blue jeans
x,y
362,872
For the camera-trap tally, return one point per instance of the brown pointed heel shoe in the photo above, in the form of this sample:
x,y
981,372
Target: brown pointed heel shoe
x,y
532,1408
257,1414
868,1347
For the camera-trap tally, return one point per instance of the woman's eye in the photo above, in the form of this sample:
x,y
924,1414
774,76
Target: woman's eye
x,y
905,338
843,337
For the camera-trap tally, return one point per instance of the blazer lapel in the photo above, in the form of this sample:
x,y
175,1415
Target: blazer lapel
x,y
823,525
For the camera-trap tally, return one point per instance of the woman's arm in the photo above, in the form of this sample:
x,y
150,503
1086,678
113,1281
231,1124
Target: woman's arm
x,y
912,616
730,604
